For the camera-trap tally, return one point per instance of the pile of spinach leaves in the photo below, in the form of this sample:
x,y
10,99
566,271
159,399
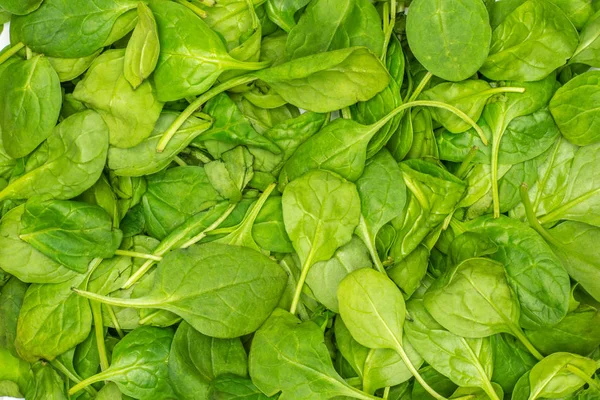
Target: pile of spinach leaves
x,y
300,199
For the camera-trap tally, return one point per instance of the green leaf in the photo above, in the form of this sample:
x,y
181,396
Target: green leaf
x,y
559,375
208,287
129,114
11,300
84,27
196,360
29,105
342,24
71,233
282,12
451,38
532,41
588,51
143,48
46,384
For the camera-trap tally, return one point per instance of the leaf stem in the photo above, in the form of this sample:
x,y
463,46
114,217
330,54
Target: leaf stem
x,y
213,226
179,161
363,233
346,113
11,52
421,86
91,380
300,284
532,218
196,104
115,320
99,332
416,374
521,336
135,254
197,10
462,171
435,104
71,376
114,301
574,370
389,28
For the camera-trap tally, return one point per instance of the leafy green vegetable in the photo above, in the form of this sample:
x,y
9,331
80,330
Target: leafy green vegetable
x,y
143,48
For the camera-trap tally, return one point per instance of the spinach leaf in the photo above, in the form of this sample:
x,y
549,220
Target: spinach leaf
x,y
588,51
143,48
11,300
355,73
451,39
71,233
21,259
282,12
231,387
383,197
559,374
320,212
68,69
46,383
342,24
29,105
511,361
575,109
230,300
192,56
196,360
139,365
18,7
62,28
531,42
129,114
290,356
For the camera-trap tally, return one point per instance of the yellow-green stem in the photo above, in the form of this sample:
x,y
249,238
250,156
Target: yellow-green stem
x,y
11,52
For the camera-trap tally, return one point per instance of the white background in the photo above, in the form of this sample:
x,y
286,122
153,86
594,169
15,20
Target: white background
x,y
4,38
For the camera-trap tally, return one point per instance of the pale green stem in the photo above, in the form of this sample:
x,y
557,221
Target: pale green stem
x,y
421,86
91,380
197,10
532,218
300,284
11,52
114,301
496,138
573,369
416,374
386,391
99,331
196,104
179,162
28,53
389,28
135,254
346,113
462,171
213,226
521,336
115,320
149,317
75,378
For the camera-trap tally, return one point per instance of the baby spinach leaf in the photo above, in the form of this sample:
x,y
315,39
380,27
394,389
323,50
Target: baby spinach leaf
x,y
46,383
129,114
342,24
373,310
21,259
355,73
53,319
143,159
408,272
15,370
531,42
578,11
71,233
325,276
230,175
143,48
559,374
20,7
282,12
192,55
70,68
474,300
233,387
268,229
68,163
174,195
383,197
230,300
62,28
467,362
196,360
588,51
577,333
511,361
29,105
232,19
139,365
290,356
454,41
575,109
11,300
533,271
320,212
232,127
